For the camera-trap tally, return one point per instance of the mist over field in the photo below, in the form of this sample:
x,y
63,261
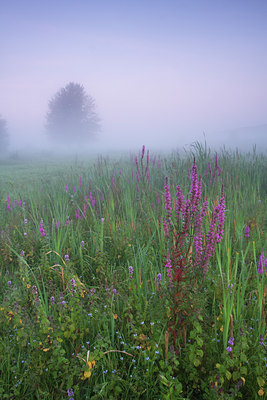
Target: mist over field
x,y
162,74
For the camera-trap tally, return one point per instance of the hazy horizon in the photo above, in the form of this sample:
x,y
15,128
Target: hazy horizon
x,y
161,73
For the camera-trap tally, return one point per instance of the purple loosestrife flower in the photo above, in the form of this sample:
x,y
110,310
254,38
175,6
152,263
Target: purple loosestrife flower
x,y
210,242
130,272
8,202
168,203
41,229
72,281
221,217
180,203
195,191
20,203
198,238
262,263
247,231
165,228
169,269
143,151
77,214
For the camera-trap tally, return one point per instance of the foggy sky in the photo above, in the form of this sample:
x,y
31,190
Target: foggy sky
x,y
164,69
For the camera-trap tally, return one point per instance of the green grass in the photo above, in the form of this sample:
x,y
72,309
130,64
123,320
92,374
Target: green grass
x,y
86,324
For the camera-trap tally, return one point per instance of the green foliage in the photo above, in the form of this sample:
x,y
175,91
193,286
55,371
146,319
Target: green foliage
x,y
85,322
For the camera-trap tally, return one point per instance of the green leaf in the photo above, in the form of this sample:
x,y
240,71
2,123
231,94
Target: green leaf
x,y
196,362
199,341
236,375
260,381
199,353
228,375
243,370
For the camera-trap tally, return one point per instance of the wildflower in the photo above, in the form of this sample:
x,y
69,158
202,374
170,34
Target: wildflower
x,y
169,269
67,258
74,190
25,221
8,202
52,300
168,207
231,341
114,291
158,279
41,229
131,272
261,340
67,187
9,283
73,283
229,348
77,215
82,243
34,290
22,253
247,231
262,263
25,234
102,219
70,392
80,184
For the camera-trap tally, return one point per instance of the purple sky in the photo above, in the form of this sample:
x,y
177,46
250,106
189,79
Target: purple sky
x,y
161,69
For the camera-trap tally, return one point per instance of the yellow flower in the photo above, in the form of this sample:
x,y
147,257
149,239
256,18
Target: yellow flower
x,y
91,364
87,374
261,392
28,286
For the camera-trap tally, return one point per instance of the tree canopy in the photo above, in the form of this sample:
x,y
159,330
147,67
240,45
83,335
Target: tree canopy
x,y
4,137
71,115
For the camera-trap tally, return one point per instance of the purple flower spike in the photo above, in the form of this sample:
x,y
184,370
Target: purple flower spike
x,y
229,348
247,231
262,264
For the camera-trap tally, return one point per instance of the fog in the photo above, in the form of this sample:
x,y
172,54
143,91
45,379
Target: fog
x,y
163,74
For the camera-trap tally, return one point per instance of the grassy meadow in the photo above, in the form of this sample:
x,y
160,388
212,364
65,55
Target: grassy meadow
x,y
117,283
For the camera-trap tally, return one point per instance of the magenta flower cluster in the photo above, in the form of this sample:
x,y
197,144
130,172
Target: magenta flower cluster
x,y
262,264
189,220
41,229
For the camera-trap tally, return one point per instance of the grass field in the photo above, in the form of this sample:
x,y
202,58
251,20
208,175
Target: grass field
x,y
139,277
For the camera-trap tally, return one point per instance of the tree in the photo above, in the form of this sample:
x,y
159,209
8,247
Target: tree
x,y
71,115
4,137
